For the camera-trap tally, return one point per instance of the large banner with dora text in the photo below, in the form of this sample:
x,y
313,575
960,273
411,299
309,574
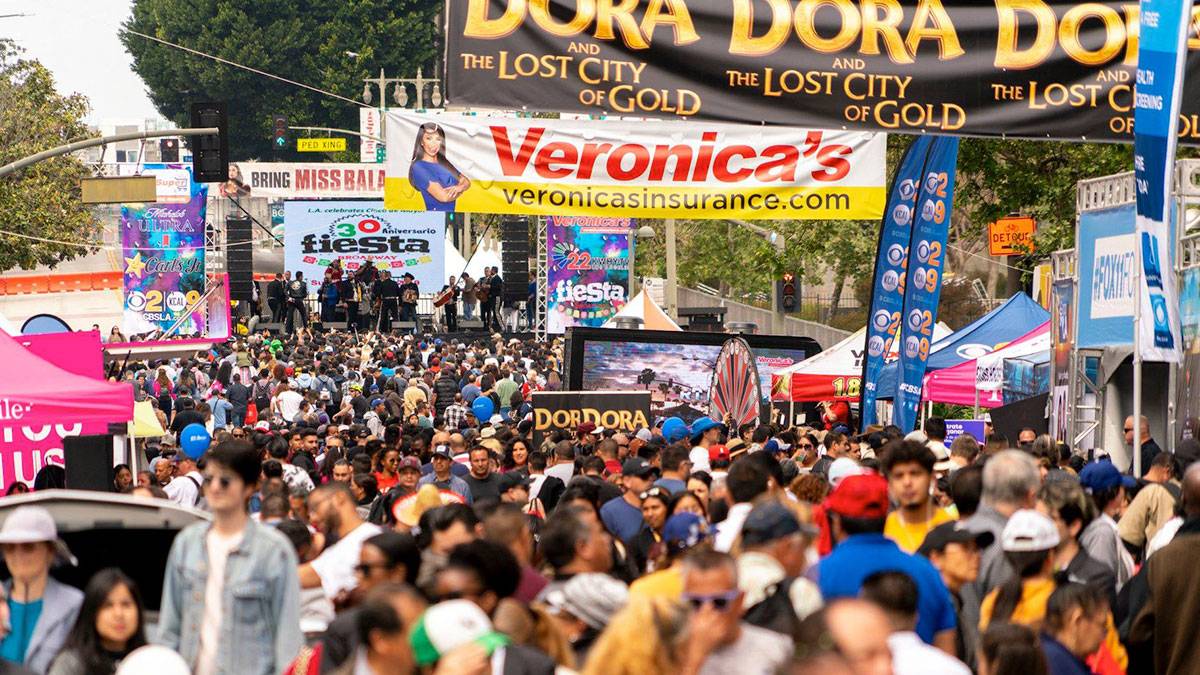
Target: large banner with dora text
x,y
646,169
1009,68
163,250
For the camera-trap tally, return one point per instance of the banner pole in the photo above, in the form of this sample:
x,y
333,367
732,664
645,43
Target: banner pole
x,y
1136,448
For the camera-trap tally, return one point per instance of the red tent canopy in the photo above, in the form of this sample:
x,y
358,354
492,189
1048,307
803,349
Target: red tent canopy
x,y
36,392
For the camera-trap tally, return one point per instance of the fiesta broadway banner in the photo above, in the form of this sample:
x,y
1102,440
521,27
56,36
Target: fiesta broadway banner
x,y
163,250
1161,59
564,410
1024,68
317,233
891,260
647,169
587,270
926,258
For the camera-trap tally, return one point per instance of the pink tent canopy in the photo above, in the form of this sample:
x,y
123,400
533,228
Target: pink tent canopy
x,y
957,384
35,392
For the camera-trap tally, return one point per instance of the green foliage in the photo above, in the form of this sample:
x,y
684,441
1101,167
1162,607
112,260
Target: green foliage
x,y
42,200
302,41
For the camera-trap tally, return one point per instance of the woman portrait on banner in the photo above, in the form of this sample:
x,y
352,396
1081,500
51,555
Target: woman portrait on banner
x,y
235,187
432,174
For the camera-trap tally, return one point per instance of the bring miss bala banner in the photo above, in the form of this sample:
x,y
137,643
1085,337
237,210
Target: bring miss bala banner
x,y
645,169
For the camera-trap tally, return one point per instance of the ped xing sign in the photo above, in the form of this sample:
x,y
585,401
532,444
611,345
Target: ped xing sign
x,y
620,169
320,144
1011,236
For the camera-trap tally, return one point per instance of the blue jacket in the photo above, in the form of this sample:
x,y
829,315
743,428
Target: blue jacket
x,y
260,629
60,607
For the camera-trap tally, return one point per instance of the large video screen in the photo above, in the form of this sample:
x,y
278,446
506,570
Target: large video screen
x,y
676,368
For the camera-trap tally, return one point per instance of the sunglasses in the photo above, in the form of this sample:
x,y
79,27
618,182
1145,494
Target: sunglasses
x,y
1128,429
719,601
237,434
652,492
223,481
806,446
365,568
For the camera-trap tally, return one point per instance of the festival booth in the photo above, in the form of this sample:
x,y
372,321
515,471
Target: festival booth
x,y
41,403
981,382
833,375
1016,317
644,308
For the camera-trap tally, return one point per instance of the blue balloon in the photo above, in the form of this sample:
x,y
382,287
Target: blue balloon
x,y
483,408
674,429
194,440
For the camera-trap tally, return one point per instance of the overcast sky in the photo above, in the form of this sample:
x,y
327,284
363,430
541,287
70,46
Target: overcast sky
x,y
77,40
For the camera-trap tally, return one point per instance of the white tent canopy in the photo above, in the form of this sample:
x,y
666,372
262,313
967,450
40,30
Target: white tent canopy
x,y
643,307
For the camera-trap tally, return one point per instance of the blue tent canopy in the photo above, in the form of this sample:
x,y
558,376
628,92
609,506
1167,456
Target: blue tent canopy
x,y
1016,317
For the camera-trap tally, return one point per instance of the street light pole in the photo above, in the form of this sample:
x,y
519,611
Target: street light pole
x,y
672,279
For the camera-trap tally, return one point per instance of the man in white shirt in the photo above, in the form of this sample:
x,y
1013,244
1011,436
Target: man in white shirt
x,y
896,594
184,488
706,432
331,509
745,482
287,403
562,462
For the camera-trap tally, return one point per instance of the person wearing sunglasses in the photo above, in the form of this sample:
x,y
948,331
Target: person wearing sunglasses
x,y
644,549
266,636
720,641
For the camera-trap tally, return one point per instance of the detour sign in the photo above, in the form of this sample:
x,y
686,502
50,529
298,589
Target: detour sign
x,y
1011,236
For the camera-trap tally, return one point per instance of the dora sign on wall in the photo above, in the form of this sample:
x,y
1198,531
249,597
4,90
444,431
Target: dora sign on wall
x,y
1015,68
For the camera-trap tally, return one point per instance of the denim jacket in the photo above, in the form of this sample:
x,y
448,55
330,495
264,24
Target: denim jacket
x,y
260,615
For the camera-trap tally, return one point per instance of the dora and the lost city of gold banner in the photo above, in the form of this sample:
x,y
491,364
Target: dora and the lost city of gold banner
x,y
1014,68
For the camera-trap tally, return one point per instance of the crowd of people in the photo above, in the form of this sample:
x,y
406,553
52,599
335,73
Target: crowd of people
x,y
366,520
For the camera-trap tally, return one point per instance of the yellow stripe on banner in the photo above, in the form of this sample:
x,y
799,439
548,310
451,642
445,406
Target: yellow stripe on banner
x,y
654,201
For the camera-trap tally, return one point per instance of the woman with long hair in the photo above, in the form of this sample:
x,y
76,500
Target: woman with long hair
x,y
516,457
1028,541
110,625
646,638
646,544
439,183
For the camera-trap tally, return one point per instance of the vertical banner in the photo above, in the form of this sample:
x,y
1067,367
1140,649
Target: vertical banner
x,y
1062,329
1161,56
587,270
369,127
887,294
163,250
926,265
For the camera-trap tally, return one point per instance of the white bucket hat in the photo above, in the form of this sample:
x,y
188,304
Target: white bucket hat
x,y
33,524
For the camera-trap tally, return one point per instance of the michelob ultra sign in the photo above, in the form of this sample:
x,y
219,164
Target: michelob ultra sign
x,y
643,169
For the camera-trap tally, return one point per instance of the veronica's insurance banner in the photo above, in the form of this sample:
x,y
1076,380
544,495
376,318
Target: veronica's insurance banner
x,y
644,169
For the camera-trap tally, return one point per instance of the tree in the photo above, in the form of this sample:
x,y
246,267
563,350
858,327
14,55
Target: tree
x,y
328,44
42,200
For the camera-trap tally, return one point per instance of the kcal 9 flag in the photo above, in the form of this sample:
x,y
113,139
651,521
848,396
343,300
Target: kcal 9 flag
x,y
1161,55
891,261
926,268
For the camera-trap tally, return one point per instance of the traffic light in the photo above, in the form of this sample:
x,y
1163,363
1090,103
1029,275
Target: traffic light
x,y
210,153
168,149
279,122
789,293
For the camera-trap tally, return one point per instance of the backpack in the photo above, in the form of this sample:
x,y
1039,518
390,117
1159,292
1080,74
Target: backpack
x,y
775,612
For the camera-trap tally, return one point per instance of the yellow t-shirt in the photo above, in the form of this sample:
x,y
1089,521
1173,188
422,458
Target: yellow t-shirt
x,y
1029,611
909,536
666,583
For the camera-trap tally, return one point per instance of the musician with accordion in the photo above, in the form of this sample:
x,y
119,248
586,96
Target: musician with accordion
x,y
410,293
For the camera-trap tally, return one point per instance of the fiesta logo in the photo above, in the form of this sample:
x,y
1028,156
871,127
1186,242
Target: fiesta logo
x,y
890,281
895,254
881,320
875,345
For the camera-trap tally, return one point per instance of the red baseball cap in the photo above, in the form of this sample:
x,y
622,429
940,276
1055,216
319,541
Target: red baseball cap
x,y
860,496
585,428
718,453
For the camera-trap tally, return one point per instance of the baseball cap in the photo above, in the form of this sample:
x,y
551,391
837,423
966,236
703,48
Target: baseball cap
x,y
592,598
585,428
409,462
511,480
861,496
704,424
842,467
496,419
718,453
1099,476
636,466
1029,530
954,532
449,625
684,530
262,425
33,524
645,435
443,450
770,521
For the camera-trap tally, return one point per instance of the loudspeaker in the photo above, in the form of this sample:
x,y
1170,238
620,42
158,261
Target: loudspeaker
x,y
89,462
514,260
239,257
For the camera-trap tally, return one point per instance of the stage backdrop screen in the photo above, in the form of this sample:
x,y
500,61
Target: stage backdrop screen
x,y
676,368
317,233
